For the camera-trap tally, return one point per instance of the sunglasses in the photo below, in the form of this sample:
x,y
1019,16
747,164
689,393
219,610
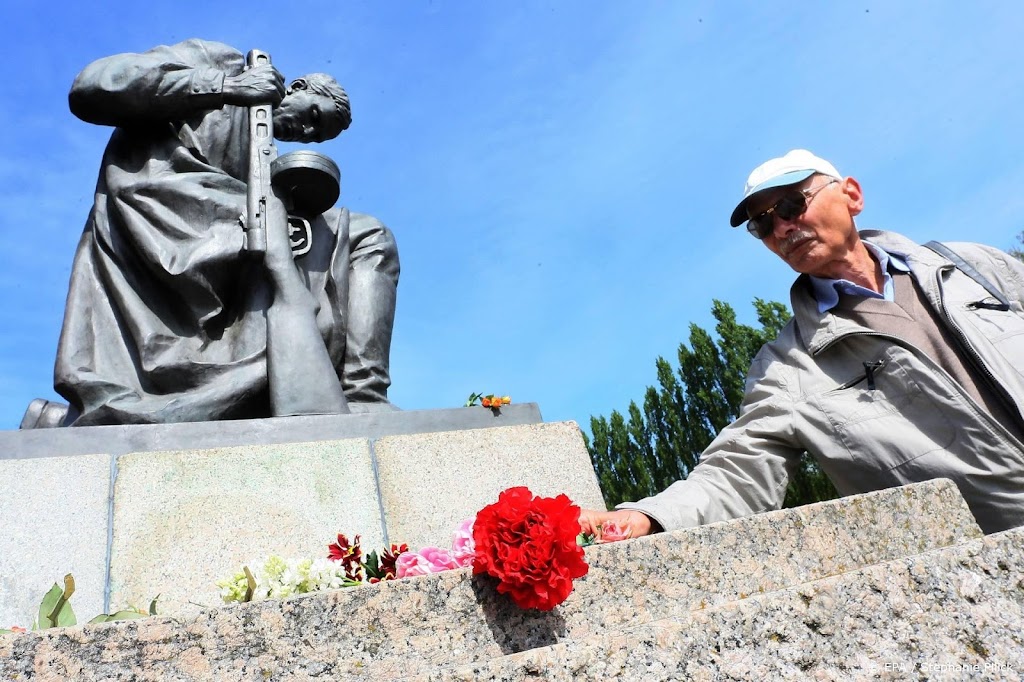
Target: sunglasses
x,y
791,206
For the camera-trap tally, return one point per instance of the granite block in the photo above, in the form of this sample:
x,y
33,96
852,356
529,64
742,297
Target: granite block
x,y
431,482
183,520
123,439
413,626
55,519
955,613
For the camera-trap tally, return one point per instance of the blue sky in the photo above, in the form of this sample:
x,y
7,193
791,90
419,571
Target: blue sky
x,y
558,175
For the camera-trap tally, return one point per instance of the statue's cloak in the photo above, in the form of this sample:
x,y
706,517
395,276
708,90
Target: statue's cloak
x,y
165,317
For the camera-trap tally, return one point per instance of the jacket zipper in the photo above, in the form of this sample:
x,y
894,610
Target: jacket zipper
x,y
969,350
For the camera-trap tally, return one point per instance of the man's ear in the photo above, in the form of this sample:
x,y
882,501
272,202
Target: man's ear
x,y
298,84
854,195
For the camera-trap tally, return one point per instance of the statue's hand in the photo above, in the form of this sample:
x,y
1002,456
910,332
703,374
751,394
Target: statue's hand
x,y
279,261
259,85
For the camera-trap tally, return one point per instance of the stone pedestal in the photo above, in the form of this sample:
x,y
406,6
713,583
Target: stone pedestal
x,y
896,584
131,526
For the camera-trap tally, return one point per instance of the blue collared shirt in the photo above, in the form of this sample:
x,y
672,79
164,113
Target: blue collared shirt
x,y
826,291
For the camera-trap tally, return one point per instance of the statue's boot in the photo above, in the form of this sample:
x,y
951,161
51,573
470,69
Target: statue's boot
x,y
371,317
43,414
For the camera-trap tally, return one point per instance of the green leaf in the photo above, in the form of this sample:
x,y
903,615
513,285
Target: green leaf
x,y
55,610
152,605
63,615
46,606
127,614
66,616
372,565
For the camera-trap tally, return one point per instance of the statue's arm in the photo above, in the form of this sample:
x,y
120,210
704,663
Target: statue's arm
x,y
169,83
301,375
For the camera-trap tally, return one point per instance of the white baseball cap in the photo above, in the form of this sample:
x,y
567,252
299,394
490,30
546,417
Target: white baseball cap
x,y
794,167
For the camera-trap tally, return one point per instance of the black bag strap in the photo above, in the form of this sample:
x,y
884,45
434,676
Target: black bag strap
x,y
968,269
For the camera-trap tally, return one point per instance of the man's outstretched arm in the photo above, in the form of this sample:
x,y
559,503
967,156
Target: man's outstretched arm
x,y
170,83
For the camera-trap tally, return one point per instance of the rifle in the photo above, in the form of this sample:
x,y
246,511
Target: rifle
x,y
308,180
262,153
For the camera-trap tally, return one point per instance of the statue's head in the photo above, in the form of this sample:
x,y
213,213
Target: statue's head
x,y
314,109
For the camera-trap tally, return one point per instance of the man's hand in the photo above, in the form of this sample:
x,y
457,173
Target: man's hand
x,y
262,84
629,520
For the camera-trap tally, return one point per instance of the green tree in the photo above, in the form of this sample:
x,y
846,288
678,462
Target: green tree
x,y
1018,253
661,442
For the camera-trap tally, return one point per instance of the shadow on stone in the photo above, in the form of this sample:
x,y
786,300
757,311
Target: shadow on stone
x,y
515,629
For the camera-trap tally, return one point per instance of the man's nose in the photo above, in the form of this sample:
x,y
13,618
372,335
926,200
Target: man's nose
x,y
783,228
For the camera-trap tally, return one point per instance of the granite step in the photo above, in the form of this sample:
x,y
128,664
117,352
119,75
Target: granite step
x,y
950,613
414,626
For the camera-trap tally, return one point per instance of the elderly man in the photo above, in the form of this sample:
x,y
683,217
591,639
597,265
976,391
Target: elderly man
x,y
902,363
167,318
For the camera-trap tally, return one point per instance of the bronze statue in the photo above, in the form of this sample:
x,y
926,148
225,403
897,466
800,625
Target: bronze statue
x,y
169,318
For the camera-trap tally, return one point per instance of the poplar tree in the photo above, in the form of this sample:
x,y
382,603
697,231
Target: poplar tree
x,y
660,442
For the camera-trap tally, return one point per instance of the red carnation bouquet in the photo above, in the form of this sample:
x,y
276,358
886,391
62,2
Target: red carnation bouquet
x,y
529,544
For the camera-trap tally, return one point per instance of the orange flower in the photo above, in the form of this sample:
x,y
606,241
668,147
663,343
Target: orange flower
x,y
486,402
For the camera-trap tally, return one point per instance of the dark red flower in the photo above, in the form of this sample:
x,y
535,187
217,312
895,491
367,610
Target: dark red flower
x,y
529,544
384,567
349,555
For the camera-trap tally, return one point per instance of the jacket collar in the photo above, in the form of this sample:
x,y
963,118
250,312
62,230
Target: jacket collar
x,y
819,330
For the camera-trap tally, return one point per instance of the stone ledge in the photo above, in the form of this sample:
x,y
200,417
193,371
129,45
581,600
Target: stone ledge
x,y
413,626
119,440
951,613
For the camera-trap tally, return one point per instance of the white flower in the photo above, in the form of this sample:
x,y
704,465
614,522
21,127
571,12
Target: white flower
x,y
278,578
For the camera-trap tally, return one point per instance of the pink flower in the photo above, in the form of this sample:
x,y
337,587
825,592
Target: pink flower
x,y
612,532
463,546
427,560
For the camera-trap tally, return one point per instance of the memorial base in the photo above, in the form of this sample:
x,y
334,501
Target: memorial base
x,y
895,584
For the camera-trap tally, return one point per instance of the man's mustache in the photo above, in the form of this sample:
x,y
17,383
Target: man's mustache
x,y
794,240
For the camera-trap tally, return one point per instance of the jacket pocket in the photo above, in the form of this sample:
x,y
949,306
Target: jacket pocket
x,y
883,418
1003,330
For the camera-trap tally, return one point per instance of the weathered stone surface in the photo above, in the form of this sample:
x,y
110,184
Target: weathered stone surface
x,y
182,520
431,482
54,515
413,626
953,613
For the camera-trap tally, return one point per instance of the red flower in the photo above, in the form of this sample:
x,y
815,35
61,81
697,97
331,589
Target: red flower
x,y
349,555
384,567
529,544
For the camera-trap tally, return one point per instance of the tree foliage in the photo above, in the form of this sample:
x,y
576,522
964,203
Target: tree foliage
x,y
1018,253
641,453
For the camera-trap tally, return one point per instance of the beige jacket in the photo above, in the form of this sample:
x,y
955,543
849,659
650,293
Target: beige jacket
x,y
804,393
